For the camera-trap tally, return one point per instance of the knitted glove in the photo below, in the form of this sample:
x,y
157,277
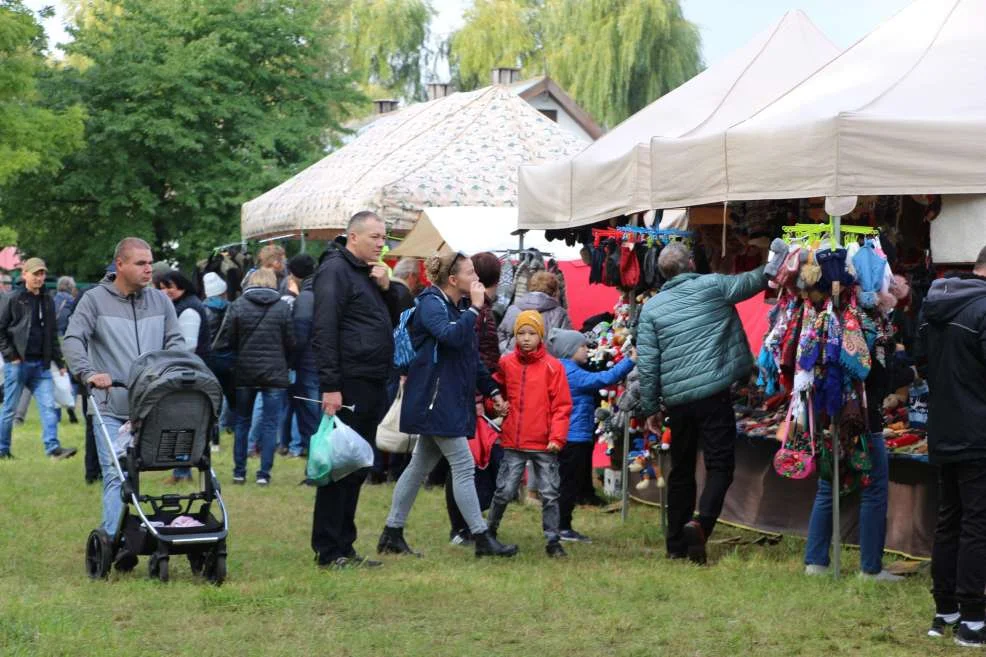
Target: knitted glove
x,y
778,253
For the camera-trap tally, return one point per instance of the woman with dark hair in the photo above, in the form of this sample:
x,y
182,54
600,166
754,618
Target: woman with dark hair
x,y
438,401
194,324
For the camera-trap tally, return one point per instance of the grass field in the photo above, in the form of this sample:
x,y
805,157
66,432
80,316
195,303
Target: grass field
x,y
617,596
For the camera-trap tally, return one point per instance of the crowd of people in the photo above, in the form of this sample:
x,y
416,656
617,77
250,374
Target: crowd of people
x,y
307,338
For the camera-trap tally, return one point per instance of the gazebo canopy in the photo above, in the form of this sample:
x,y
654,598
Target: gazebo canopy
x,y
612,176
460,150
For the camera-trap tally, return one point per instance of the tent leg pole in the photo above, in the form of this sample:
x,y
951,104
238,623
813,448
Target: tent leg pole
x,y
625,466
836,521
302,241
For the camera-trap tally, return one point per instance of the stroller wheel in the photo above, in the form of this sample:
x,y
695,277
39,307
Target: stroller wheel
x,y
197,563
157,568
217,573
99,554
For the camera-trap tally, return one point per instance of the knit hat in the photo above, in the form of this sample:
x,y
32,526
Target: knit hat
x,y
301,266
530,318
213,284
563,343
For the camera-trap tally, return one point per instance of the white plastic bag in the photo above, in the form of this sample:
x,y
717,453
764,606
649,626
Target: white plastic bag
x,y
336,451
390,438
123,439
63,388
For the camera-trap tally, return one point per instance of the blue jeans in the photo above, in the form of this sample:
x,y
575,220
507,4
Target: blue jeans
x,y
872,515
307,414
271,408
31,374
112,502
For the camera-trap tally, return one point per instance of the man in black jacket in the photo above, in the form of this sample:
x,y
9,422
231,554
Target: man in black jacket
x,y
29,344
952,337
352,337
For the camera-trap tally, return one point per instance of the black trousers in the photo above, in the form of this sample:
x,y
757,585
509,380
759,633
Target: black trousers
x,y
710,423
334,519
485,488
571,467
91,460
958,558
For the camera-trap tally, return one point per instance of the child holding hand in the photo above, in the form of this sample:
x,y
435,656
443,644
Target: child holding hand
x,y
536,425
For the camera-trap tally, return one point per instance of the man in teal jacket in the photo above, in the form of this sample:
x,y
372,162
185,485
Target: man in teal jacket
x,y
692,348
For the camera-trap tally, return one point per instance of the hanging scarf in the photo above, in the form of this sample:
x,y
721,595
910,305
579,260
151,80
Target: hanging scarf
x,y
828,397
767,368
855,357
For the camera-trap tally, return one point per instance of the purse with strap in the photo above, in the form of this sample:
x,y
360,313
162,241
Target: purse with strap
x,y
390,438
796,458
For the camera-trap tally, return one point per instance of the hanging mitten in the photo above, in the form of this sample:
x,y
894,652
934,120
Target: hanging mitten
x,y
611,274
810,271
778,253
629,268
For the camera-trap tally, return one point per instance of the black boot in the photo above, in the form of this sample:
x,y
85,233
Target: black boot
x,y
488,546
555,550
392,542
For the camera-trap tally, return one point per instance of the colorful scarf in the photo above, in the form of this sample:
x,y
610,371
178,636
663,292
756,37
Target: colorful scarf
x,y
855,357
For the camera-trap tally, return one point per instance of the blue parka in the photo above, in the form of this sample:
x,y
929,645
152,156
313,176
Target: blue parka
x,y
440,392
585,387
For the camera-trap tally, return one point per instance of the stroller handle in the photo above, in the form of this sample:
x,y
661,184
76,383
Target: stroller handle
x,y
113,384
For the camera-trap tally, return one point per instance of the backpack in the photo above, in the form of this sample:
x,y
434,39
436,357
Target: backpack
x,y
404,351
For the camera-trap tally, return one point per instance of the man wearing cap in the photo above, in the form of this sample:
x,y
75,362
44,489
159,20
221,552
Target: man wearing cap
x,y
29,344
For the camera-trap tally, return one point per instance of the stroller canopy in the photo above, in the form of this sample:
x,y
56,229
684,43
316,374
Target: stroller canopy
x,y
156,374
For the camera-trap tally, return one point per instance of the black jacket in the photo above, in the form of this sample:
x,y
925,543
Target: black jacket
x,y
15,327
952,350
302,313
261,334
352,335
189,301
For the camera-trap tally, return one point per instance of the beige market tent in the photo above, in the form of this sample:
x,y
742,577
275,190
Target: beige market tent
x,y
460,150
903,111
612,176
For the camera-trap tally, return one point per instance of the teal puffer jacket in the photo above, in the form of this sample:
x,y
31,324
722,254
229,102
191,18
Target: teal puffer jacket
x,y
691,341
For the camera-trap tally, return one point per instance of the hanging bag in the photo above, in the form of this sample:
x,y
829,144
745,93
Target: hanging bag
x,y
796,459
390,438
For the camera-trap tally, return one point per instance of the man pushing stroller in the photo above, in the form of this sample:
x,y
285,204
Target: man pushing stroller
x,y
113,324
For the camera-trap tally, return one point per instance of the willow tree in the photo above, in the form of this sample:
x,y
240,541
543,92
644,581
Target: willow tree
x,y
613,56
384,44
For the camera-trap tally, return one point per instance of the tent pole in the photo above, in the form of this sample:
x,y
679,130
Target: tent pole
x,y
836,523
302,241
625,466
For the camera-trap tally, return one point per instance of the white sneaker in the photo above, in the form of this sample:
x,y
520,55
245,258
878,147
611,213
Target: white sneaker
x,y
882,576
262,481
814,569
214,448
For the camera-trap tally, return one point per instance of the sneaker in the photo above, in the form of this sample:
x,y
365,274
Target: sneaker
x,y
347,563
882,576
62,453
5,455
939,626
815,569
363,562
462,538
555,550
282,451
238,481
214,448
694,537
572,536
263,481
967,638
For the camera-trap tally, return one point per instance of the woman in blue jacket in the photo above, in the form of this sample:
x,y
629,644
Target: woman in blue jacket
x,y
576,457
439,399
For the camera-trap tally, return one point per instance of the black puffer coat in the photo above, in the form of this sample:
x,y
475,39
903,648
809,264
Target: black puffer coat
x,y
261,334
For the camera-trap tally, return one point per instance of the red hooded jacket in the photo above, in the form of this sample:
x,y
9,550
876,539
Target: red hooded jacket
x,y
536,387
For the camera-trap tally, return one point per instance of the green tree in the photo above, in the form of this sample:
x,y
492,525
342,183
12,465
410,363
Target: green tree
x,y
33,138
613,56
194,107
384,44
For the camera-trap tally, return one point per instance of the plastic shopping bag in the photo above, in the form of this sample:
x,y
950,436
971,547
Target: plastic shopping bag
x,y
336,451
64,396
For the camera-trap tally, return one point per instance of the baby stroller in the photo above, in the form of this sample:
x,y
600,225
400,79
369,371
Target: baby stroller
x,y
174,403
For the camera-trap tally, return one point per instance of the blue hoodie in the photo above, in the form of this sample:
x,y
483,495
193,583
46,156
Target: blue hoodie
x,y
585,386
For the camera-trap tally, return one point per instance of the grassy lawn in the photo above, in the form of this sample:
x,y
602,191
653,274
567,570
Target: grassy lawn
x,y
618,596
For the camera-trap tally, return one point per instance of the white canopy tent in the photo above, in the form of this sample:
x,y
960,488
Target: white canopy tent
x,y
903,111
475,229
612,176
460,150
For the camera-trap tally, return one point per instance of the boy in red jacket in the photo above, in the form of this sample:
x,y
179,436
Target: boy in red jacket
x,y
536,426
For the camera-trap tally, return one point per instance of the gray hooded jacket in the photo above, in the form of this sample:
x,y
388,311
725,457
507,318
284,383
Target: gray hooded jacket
x,y
551,311
108,331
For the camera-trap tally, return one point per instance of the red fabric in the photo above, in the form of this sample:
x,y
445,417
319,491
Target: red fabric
x,y
585,300
629,268
753,314
536,388
482,443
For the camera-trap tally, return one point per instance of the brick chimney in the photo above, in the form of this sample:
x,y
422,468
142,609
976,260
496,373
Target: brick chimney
x,y
384,105
506,75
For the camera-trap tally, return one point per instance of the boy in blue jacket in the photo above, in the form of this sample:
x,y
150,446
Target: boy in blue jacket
x,y
575,460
